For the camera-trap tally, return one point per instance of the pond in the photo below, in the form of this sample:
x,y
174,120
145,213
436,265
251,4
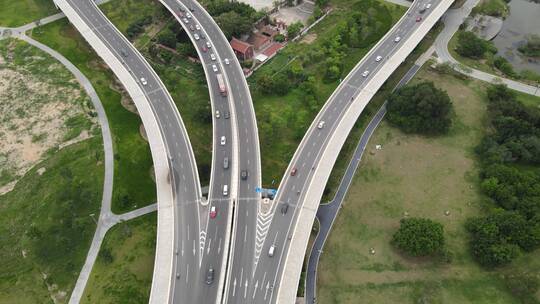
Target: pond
x,y
524,19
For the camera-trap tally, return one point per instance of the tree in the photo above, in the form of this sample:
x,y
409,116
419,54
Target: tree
x,y
471,46
321,3
279,38
294,29
234,24
420,108
419,237
167,38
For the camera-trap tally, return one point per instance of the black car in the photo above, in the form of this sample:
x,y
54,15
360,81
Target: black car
x,y
227,114
284,208
191,9
210,276
244,174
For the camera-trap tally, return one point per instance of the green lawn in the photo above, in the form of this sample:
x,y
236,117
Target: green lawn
x,y
422,177
133,186
123,270
15,13
46,227
278,138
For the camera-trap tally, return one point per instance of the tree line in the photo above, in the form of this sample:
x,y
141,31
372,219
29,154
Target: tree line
x,y
510,177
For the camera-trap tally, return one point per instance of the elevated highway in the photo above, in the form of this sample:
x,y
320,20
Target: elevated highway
x,y
237,211
177,180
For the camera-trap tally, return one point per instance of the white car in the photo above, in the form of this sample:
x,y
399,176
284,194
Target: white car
x,y
188,15
223,140
226,60
428,5
397,39
196,37
217,114
197,27
208,45
321,124
378,58
185,21
143,81
365,73
214,68
212,56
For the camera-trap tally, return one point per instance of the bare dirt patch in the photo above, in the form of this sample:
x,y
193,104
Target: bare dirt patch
x,y
42,107
309,38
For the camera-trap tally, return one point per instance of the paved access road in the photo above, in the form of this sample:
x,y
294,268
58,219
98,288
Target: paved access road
x,y
327,213
241,131
183,176
306,160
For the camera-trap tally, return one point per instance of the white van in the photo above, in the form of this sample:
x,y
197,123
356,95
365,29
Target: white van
x,y
225,190
271,250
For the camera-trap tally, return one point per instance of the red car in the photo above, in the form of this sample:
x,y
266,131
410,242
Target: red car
x,y
213,212
418,19
204,49
293,172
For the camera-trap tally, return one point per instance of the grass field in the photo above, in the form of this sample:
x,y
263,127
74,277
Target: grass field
x,y
126,275
15,13
133,186
46,227
421,177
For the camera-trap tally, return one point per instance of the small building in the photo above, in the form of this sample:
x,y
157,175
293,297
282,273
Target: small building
x,y
243,50
259,41
272,49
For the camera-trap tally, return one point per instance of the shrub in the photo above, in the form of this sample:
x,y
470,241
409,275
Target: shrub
x,y
532,47
504,66
471,46
419,237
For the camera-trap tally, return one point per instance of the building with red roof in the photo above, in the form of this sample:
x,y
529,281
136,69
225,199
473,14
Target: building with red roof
x,y
243,50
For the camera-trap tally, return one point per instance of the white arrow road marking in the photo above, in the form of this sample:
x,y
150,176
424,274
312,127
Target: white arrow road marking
x,y
187,273
194,247
182,247
245,290
219,246
208,248
234,287
266,292
264,278
255,290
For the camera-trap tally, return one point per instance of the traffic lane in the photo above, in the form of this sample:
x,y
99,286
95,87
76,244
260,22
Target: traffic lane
x,y
244,247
